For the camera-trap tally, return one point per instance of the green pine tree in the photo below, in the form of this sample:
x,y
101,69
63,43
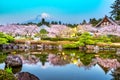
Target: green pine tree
x,y
115,13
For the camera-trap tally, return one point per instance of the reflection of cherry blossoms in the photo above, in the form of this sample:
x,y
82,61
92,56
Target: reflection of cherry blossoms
x,y
29,59
108,63
57,60
116,74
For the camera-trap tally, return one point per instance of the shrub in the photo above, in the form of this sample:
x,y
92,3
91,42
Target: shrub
x,y
85,39
6,76
70,46
3,41
8,70
4,38
104,39
114,38
61,39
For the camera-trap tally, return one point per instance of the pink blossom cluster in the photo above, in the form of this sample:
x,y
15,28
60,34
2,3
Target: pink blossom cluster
x,y
109,30
21,30
108,63
57,30
89,28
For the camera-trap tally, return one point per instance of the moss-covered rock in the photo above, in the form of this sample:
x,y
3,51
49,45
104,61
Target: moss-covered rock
x,y
26,76
6,76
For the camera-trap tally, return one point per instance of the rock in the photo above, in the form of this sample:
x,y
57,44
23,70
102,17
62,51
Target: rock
x,y
13,61
118,52
90,47
26,76
96,49
60,47
89,51
81,48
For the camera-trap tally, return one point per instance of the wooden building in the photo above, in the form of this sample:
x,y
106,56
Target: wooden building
x,y
106,21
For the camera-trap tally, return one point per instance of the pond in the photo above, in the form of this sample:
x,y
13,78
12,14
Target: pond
x,y
67,64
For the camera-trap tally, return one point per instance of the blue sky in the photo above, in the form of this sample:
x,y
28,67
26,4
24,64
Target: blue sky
x,y
70,11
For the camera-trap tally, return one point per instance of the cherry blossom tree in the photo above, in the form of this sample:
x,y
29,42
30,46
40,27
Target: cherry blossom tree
x,y
58,31
21,30
110,30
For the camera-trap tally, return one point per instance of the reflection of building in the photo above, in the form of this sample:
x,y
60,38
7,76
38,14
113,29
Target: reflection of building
x,y
116,74
106,22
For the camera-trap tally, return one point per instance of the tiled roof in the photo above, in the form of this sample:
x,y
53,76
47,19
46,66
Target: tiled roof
x,y
110,20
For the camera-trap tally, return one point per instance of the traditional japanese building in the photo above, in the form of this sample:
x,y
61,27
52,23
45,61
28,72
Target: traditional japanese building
x,y
106,22
118,22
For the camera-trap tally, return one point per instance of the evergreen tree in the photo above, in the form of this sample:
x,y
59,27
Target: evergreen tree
x,y
115,13
60,22
56,22
84,22
93,21
52,22
43,21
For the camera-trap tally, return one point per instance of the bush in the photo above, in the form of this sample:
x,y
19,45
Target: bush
x,y
70,46
4,38
3,41
6,76
2,57
61,39
86,39
8,70
104,39
114,38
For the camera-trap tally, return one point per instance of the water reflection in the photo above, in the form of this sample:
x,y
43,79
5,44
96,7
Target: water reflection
x,y
29,59
57,59
116,74
108,63
106,60
15,69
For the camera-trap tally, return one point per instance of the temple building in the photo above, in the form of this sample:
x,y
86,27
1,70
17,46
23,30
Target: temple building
x,y
106,22
118,22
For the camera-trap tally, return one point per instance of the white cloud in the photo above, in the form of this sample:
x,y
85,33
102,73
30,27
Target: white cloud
x,y
45,15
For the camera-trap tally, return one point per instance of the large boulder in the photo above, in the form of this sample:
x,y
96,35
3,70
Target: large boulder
x,y
26,76
13,61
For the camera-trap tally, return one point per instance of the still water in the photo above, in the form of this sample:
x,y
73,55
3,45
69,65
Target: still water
x,y
67,64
